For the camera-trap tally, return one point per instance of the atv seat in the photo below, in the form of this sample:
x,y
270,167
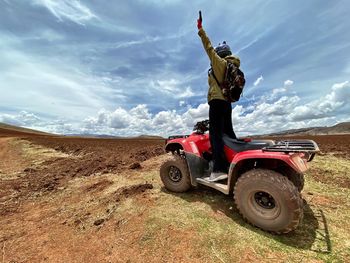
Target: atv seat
x,y
241,146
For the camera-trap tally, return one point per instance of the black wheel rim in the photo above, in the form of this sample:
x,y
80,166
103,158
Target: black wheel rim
x,y
265,200
175,174
264,205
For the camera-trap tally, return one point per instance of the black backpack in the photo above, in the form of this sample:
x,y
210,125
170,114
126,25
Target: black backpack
x,y
233,84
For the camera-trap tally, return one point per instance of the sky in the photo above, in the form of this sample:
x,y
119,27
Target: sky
x,y
135,67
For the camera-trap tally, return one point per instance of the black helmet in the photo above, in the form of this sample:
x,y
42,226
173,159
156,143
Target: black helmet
x,y
223,50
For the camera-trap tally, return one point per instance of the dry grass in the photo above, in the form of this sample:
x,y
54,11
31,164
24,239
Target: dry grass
x,y
36,153
223,236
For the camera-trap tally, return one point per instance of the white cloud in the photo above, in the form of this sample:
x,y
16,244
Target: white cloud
x,y
138,121
255,40
119,119
286,112
186,94
168,85
23,118
338,98
53,86
281,111
67,9
258,81
172,87
200,112
150,39
275,92
288,82
62,86
141,112
145,40
340,92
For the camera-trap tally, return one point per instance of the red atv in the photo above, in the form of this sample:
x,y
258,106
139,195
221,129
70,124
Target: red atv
x,y
265,176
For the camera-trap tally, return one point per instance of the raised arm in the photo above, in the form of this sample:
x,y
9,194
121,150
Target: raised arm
x,y
216,61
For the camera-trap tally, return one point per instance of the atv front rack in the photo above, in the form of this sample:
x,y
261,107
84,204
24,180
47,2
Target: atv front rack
x,y
289,146
175,137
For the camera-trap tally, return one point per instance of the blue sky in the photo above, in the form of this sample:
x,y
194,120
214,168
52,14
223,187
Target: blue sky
x,y
138,67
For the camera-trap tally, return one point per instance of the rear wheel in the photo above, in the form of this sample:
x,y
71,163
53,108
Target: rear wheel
x,y
296,178
269,200
175,175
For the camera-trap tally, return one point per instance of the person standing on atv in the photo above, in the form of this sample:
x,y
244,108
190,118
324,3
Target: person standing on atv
x,y
220,109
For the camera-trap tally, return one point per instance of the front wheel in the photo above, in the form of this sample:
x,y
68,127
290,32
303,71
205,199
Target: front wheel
x,y
269,200
175,175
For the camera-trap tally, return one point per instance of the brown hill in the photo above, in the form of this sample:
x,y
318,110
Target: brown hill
x,y
338,129
11,130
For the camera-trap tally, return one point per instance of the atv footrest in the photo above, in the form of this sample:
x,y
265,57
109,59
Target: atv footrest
x,y
220,187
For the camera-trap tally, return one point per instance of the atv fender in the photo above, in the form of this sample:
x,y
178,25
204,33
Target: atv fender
x,y
244,161
197,166
293,160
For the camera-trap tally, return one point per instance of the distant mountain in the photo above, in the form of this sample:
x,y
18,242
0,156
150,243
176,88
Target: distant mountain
x,y
11,130
150,137
88,135
340,128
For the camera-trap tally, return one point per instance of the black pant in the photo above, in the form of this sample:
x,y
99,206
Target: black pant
x,y
220,122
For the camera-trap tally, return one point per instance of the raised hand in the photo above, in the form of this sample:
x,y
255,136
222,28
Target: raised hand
x,y
199,21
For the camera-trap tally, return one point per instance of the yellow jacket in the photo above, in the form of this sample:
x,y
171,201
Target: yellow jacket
x,y
218,65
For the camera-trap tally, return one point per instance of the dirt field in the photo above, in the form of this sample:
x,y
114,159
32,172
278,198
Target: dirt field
x,y
101,200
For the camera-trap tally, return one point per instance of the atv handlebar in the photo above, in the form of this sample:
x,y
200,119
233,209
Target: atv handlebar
x,y
201,127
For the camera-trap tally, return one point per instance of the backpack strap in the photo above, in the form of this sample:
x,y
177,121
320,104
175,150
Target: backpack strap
x,y
211,72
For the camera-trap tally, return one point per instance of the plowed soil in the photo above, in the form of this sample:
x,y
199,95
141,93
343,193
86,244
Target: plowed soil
x,y
98,155
69,199
84,157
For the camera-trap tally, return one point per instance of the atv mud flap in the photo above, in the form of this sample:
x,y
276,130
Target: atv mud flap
x,y
197,166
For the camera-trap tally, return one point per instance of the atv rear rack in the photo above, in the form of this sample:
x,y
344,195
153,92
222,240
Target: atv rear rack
x,y
288,146
293,146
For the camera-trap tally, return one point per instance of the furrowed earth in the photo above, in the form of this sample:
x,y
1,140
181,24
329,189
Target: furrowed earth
x,y
70,199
